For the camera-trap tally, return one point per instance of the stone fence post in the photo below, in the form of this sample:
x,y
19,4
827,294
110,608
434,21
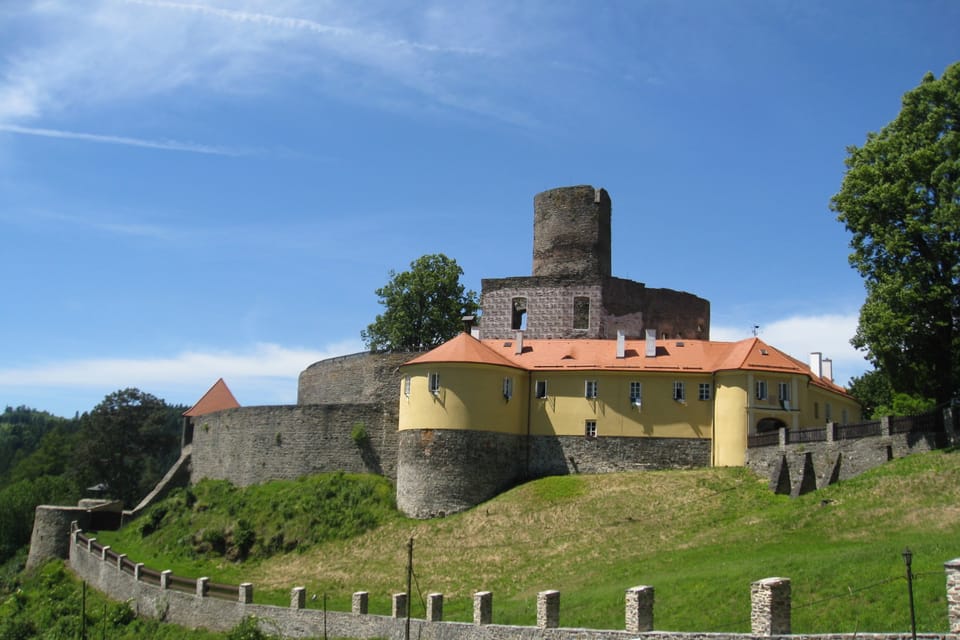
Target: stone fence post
x,y
434,607
120,559
885,426
399,605
483,607
770,607
639,609
831,431
103,551
298,597
245,593
138,571
953,594
360,602
165,578
202,587
548,609
782,438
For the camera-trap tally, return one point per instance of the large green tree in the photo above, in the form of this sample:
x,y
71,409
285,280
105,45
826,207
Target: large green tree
x,y
424,306
127,443
900,199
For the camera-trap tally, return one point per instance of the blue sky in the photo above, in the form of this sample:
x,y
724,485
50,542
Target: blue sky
x,y
195,190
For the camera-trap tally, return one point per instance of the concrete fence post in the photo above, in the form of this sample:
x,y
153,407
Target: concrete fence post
x,y
74,534
103,551
90,542
639,609
360,602
245,593
953,594
202,587
950,425
434,607
770,607
138,571
165,578
548,609
399,609
298,597
831,431
483,607
120,559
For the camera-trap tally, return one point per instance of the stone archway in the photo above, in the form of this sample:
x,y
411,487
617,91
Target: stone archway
x,y
766,425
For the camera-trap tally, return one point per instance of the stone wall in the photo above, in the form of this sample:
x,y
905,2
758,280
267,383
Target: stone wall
x,y
571,232
249,445
770,611
445,471
798,468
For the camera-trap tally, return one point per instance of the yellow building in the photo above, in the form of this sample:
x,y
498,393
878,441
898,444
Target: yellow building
x,y
672,391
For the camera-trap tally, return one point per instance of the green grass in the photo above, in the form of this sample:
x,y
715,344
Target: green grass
x,y
699,537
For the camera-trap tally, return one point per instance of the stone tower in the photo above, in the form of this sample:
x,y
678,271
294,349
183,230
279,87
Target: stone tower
x,y
572,293
571,233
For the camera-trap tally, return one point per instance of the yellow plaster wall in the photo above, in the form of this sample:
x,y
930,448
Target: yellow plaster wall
x,y
470,397
730,441
566,409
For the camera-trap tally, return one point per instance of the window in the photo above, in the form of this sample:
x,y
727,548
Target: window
x,y
636,394
540,389
581,312
406,386
434,383
704,391
761,389
508,388
590,389
783,391
679,393
590,428
518,321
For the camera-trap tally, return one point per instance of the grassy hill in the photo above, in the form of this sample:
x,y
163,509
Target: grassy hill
x,y
699,537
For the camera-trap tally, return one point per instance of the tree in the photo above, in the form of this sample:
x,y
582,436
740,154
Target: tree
x,y
900,198
424,306
127,443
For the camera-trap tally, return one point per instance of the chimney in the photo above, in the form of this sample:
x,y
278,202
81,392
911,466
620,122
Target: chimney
x,y
828,369
815,363
468,324
651,343
519,343
621,345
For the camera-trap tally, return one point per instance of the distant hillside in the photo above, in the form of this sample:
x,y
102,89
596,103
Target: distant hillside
x,y
699,537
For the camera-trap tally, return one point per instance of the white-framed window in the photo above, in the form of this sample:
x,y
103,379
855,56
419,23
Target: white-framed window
x,y
636,394
783,391
703,391
590,389
590,428
406,386
540,389
761,387
434,383
508,387
679,391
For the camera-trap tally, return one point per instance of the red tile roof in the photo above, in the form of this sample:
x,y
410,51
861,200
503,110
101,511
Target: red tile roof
x,y
672,355
217,398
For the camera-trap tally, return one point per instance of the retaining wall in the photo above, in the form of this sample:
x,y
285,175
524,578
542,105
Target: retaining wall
x,y
446,471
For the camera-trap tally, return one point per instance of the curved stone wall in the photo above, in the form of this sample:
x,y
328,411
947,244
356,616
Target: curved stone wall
x,y
440,472
360,378
250,445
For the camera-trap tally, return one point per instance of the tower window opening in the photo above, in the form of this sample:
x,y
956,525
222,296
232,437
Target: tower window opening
x,y
518,320
581,312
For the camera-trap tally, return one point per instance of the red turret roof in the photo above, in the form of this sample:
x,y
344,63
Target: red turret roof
x,y
217,398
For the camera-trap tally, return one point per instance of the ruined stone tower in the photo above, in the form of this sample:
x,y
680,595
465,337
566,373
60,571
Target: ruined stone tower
x,y
572,293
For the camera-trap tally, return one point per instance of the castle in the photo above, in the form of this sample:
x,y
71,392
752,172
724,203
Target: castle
x,y
571,370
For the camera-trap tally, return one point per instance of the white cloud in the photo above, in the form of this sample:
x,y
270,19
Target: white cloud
x,y
263,374
164,145
799,336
